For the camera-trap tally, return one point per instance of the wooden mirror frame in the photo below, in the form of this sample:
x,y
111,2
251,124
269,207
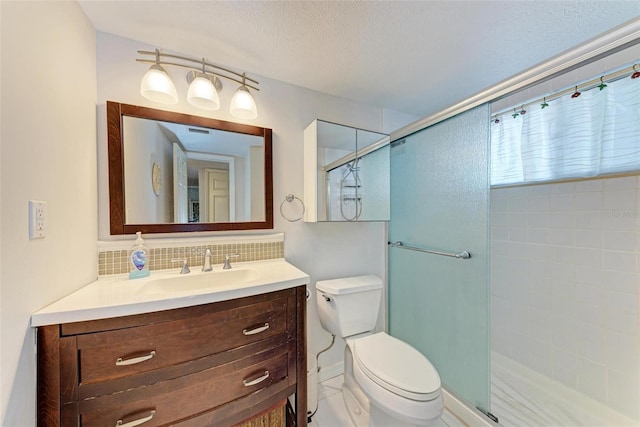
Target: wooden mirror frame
x,y
115,112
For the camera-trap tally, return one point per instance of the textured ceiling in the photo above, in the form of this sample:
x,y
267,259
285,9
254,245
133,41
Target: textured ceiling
x,y
417,57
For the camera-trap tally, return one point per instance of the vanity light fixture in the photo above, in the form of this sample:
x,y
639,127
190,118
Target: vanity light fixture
x,y
242,103
157,86
203,89
204,84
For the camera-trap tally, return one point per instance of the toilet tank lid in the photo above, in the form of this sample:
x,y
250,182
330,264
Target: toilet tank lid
x,y
349,285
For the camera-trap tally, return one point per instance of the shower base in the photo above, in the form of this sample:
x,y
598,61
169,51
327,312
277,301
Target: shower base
x,y
522,397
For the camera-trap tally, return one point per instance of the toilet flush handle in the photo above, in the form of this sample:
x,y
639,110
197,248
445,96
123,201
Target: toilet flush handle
x,y
326,298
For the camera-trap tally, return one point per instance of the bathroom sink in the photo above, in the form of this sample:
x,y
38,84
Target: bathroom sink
x,y
202,281
117,295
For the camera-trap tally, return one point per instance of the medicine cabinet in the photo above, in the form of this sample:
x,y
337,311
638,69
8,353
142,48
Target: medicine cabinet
x,y
346,173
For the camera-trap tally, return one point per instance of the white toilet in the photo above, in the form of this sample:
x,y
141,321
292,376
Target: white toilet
x,y
386,381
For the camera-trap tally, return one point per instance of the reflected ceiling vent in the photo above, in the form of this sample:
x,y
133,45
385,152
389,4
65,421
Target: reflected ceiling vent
x,y
196,130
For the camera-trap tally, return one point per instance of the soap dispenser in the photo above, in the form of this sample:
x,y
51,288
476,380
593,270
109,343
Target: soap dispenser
x,y
139,259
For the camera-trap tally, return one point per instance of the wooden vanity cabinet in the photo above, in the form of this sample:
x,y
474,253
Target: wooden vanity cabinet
x,y
216,364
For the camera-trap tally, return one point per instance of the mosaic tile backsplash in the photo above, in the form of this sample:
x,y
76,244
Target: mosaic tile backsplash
x,y
117,261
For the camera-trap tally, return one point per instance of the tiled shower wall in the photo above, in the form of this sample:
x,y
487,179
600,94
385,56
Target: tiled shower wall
x,y
162,256
565,284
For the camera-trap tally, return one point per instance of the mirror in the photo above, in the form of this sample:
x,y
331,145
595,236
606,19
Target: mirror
x,y
347,173
173,172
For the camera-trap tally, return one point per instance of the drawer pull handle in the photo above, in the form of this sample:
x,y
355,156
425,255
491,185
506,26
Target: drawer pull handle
x,y
137,422
256,330
258,380
125,362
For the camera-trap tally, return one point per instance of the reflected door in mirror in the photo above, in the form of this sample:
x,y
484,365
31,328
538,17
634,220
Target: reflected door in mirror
x,y
180,194
216,195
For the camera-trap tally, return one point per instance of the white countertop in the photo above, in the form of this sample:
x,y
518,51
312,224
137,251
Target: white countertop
x,y
114,296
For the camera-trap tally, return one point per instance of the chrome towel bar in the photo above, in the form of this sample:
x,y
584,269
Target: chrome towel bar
x,y
459,255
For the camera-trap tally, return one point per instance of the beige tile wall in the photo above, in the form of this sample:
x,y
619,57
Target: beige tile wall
x,y
117,261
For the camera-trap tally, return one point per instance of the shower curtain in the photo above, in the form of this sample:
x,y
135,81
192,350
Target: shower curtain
x,y
440,201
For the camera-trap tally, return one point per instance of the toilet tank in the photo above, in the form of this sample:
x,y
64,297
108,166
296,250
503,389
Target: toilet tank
x,y
350,305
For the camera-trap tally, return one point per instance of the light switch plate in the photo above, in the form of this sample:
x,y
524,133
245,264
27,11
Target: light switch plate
x,y
37,219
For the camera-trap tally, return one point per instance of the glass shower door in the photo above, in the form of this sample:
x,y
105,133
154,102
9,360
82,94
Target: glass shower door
x,y
439,201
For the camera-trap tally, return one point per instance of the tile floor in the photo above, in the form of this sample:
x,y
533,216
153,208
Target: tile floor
x,y
333,413
518,399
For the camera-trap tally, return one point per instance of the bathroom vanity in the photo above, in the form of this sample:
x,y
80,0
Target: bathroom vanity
x,y
170,350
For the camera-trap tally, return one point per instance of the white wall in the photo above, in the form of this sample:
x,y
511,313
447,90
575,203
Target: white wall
x,y
146,145
565,284
255,195
322,250
2,403
48,151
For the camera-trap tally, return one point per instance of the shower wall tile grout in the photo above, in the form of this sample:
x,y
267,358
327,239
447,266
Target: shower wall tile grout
x,y
565,280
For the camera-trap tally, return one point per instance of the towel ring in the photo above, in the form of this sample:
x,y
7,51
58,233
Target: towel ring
x,y
290,198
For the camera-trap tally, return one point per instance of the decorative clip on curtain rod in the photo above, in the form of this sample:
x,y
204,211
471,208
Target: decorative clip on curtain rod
x,y
574,90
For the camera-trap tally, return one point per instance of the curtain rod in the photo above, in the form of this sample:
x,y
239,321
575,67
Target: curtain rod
x,y
590,84
619,38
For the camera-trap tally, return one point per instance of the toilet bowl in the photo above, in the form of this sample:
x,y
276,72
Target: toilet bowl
x,y
401,384
387,382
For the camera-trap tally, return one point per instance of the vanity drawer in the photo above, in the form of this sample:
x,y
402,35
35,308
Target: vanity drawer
x,y
170,401
106,356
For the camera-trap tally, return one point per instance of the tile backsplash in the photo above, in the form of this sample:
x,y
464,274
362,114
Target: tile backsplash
x,y
113,258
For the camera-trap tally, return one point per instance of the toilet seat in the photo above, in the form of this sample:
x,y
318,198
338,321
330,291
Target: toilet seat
x,y
397,367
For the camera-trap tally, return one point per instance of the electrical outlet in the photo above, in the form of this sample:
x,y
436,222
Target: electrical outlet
x,y
37,219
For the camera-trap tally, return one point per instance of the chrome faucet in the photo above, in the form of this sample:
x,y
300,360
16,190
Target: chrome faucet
x,y
206,264
227,264
185,265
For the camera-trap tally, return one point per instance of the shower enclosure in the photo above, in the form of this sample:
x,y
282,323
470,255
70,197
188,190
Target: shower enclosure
x,y
439,302
565,346
563,306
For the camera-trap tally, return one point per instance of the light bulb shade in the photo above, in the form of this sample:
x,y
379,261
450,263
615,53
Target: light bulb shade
x,y
203,94
157,86
242,104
